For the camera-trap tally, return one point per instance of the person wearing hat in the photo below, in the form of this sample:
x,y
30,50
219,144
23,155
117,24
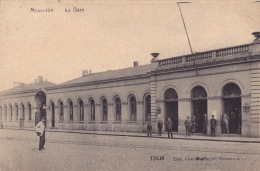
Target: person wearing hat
x,y
187,125
213,124
149,129
40,131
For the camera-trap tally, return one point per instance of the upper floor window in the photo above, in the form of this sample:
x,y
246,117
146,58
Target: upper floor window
x,y
11,112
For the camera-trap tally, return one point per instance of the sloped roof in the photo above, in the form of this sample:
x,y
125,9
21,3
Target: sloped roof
x,y
27,88
111,74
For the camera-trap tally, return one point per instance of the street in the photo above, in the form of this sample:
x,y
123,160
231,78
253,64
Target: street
x,y
74,151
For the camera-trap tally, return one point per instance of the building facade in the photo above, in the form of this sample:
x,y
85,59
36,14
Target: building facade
x,y
213,82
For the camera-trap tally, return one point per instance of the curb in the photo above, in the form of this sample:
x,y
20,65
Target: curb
x,y
144,136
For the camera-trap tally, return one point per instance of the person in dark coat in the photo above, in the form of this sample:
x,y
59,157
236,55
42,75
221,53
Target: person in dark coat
x,y
187,124
149,130
213,124
160,126
169,127
205,124
193,124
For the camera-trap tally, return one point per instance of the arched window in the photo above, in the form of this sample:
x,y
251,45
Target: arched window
x,y
0,113
29,112
198,92
16,112
231,90
104,109
92,109
147,102
118,108
81,110
11,112
61,111
5,112
132,104
22,111
70,110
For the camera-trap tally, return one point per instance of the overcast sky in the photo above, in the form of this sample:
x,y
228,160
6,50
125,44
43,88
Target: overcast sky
x,y
111,34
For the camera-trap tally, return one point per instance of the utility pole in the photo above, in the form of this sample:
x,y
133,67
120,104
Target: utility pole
x,y
187,33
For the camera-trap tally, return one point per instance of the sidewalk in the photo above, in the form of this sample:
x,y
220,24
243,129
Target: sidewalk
x,y
226,138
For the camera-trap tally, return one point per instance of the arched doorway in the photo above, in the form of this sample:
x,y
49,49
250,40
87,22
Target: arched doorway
x,y
171,108
52,109
22,116
199,108
231,98
40,101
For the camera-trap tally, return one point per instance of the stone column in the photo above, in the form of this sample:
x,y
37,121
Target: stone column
x,y
255,101
214,108
110,116
97,116
124,117
153,103
184,111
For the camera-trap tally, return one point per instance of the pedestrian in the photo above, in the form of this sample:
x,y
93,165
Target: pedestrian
x,y
225,121
40,131
205,124
169,127
160,126
187,124
149,129
213,124
193,124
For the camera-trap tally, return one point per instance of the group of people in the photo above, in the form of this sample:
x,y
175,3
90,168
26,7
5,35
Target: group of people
x,y
213,123
190,126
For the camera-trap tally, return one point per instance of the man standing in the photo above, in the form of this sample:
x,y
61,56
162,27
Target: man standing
x,y
160,126
205,124
213,124
40,130
225,122
149,129
187,124
169,127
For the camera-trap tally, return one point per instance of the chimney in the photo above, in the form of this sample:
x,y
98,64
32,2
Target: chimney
x,y
135,63
16,84
40,79
85,73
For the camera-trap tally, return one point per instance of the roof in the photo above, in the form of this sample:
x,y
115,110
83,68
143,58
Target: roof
x,y
111,74
27,88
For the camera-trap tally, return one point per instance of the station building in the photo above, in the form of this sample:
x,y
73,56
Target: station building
x,y
214,82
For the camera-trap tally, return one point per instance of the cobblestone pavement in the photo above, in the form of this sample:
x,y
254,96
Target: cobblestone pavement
x,y
72,151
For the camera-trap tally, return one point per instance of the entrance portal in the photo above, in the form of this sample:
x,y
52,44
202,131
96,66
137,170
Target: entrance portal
x,y
199,108
40,100
232,107
171,108
52,115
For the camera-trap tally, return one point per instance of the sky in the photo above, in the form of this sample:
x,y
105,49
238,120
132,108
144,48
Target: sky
x,y
112,34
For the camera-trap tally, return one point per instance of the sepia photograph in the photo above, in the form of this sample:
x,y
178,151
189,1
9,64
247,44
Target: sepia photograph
x,y
129,85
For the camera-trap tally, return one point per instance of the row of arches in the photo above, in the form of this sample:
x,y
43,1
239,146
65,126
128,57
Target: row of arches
x,y
231,105
13,112
103,103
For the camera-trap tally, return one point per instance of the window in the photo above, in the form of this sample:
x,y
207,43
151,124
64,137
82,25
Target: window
x,y
11,112
16,112
22,111
61,111
132,101
71,110
81,110
5,112
92,109
29,112
118,109
104,105
0,113
147,103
